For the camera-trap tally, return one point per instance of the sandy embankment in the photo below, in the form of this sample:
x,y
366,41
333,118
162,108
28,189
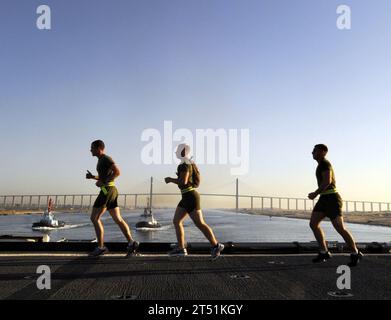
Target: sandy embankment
x,y
33,212
19,212
369,218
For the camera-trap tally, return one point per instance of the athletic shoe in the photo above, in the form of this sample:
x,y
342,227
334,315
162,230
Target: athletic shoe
x,y
99,252
178,252
322,257
132,248
216,250
355,259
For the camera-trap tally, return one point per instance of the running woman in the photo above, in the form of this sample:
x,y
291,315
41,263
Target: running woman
x,y
107,199
189,205
329,205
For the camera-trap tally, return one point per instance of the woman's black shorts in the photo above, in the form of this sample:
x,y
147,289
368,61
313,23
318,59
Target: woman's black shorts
x,y
190,201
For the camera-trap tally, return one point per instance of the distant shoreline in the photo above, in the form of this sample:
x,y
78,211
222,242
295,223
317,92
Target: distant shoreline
x,y
19,212
40,212
381,219
31,212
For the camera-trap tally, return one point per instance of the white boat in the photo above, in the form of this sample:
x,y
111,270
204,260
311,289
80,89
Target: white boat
x,y
146,213
48,221
148,221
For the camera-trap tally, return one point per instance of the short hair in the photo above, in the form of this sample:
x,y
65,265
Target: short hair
x,y
99,144
322,147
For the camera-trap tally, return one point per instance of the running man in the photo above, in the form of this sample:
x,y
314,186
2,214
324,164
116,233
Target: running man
x,y
189,205
107,199
329,205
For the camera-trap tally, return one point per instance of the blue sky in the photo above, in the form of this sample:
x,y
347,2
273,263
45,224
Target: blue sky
x,y
279,68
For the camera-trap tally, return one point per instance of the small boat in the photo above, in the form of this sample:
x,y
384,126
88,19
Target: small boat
x,y
149,222
146,213
48,221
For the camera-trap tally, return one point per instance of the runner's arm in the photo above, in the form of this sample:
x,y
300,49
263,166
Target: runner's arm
x,y
182,180
115,172
89,175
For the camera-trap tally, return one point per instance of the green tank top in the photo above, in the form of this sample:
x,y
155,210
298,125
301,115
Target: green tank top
x,y
186,167
323,166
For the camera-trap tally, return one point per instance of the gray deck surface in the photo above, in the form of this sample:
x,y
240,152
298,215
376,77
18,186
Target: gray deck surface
x,y
195,277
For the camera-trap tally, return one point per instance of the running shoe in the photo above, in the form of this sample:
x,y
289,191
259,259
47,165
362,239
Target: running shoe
x,y
132,248
355,259
322,257
99,252
216,250
178,252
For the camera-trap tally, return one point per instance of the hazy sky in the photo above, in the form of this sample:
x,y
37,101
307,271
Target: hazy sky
x,y
281,69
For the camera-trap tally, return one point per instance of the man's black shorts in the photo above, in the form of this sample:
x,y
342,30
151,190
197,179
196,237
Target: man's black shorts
x,y
330,204
109,200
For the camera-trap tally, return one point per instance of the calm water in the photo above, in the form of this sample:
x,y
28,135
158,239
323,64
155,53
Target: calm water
x,y
227,225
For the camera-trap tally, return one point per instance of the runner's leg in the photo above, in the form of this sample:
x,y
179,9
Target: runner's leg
x,y
116,215
316,219
98,225
180,215
198,219
339,226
